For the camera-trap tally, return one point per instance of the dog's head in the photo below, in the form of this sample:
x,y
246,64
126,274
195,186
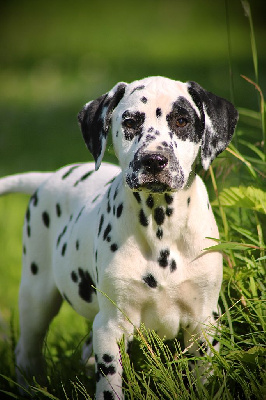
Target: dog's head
x,y
158,127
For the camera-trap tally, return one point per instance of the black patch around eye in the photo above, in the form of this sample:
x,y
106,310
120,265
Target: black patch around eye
x,y
193,130
137,122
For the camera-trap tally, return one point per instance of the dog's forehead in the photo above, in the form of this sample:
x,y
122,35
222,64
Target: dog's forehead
x,y
150,93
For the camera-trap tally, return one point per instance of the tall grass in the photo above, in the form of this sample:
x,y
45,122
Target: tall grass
x,y
158,369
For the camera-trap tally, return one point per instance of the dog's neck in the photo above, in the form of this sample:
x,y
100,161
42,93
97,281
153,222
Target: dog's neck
x,y
152,215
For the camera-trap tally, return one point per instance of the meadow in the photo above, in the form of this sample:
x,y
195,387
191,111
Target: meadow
x,y
55,57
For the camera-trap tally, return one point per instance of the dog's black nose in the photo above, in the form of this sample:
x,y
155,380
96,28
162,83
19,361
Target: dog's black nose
x,y
154,162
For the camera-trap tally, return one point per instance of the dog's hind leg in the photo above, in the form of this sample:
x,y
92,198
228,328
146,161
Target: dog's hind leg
x,y
39,302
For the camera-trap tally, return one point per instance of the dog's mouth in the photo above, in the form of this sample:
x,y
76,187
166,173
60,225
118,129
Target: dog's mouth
x,y
155,187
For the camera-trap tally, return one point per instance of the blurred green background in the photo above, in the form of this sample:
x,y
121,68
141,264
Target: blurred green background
x,y
57,55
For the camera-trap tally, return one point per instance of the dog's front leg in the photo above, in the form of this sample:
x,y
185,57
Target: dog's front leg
x,y
106,335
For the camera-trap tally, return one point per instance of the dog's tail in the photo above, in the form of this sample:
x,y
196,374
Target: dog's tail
x,y
26,183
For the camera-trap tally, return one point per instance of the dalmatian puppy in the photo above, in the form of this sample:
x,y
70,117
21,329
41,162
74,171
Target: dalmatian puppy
x,y
125,245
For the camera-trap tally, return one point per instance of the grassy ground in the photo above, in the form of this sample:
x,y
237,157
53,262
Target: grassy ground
x,y
55,57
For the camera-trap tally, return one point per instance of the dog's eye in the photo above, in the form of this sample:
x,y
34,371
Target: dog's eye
x,y
181,122
130,123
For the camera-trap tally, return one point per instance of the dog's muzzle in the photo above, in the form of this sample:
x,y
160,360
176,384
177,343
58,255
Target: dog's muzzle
x,y
155,172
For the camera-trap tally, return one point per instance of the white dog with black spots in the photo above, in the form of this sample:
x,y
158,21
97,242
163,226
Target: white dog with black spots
x,y
125,245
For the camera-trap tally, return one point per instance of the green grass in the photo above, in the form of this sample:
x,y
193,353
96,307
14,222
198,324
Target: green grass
x,y
44,83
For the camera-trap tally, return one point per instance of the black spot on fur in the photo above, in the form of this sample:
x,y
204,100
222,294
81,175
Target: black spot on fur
x,y
46,219
83,178
107,231
159,233
116,193
137,197
114,247
119,210
172,266
104,370
28,215
34,268
24,250
215,315
150,281
137,88
214,342
69,172
188,201
150,201
100,224
144,99
85,285
143,219
28,230
159,215
151,129
208,205
77,245
79,214
169,199
163,258
74,276
169,211
58,209
158,112
95,198
107,358
61,235
107,395
34,199
63,251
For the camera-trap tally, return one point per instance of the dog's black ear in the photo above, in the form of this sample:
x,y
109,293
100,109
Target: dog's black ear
x,y
95,120
220,121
